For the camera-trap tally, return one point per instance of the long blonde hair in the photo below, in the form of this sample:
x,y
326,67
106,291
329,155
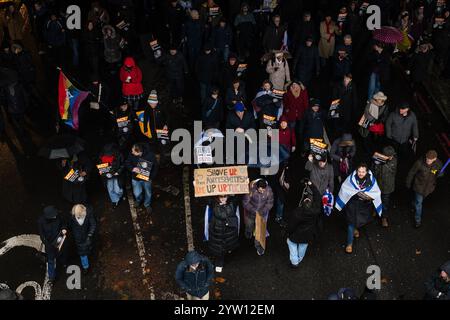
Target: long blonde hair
x,y
79,211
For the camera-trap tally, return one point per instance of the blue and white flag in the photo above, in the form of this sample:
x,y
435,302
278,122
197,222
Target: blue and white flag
x,y
350,187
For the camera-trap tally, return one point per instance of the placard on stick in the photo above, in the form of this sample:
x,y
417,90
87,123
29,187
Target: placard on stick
x,y
221,181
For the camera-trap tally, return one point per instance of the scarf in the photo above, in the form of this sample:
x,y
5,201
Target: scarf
x,y
81,220
374,111
351,187
331,34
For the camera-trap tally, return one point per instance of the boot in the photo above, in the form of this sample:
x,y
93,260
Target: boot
x,y
349,249
356,233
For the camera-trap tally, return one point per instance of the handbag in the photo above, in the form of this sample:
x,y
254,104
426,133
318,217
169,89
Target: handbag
x,y
377,129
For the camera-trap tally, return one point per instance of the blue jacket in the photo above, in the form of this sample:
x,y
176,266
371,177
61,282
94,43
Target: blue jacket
x,y
196,283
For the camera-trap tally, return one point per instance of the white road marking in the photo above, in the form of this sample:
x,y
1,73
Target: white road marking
x,y
139,242
187,208
31,241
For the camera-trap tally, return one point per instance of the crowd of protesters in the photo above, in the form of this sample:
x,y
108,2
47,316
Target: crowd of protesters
x,y
218,45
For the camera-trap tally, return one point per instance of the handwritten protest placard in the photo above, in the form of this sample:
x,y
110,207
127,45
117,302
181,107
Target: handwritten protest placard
x,y
221,181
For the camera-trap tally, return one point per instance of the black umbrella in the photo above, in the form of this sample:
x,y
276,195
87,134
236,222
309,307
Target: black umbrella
x,y
61,147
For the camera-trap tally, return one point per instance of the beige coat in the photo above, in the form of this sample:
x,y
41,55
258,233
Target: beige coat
x,y
15,25
279,74
327,40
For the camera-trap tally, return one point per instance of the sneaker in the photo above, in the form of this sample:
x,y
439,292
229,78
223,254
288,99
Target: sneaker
x,y
356,234
219,269
384,223
418,225
349,249
260,252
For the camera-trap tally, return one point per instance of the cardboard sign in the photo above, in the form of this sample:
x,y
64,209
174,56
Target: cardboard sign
x,y
260,230
213,12
145,169
74,176
163,135
278,93
122,25
334,109
104,169
221,181
318,147
342,17
157,51
378,157
204,155
123,124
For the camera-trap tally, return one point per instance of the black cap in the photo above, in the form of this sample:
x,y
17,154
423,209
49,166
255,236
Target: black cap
x,y
50,212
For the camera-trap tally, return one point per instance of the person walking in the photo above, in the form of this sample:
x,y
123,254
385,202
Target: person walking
x,y
131,77
82,226
438,285
222,223
422,179
113,159
194,276
304,223
358,196
321,173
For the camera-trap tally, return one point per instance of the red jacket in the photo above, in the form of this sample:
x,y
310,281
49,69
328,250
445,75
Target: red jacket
x,y
287,138
134,88
294,108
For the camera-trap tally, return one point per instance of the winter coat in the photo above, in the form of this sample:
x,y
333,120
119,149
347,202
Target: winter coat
x,y
400,128
385,172
358,212
154,119
176,66
381,65
314,122
91,42
212,111
304,30
423,177
279,74
327,40
322,178
306,63
222,38
134,87
194,31
383,113
23,64
348,106
75,192
234,122
117,164
419,66
287,138
196,283
207,68
436,284
341,68
223,229
54,33
229,73
338,152
304,225
232,95
83,234
15,25
148,155
258,202
295,108
49,230
113,50
273,37
268,116
15,98
245,27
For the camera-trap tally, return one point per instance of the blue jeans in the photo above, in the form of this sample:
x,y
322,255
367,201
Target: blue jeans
x,y
297,252
51,267
350,232
114,190
285,153
84,262
142,190
418,200
374,85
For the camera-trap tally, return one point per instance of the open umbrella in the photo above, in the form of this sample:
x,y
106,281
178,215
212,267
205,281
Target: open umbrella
x,y
61,147
388,35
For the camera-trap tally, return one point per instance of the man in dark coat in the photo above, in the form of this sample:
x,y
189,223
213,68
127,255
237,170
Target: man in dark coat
x,y
422,178
212,110
112,157
274,35
342,65
314,122
419,64
438,285
139,162
240,119
245,25
175,16
307,62
222,39
51,226
380,62
82,225
345,91
176,68
304,223
207,70
194,275
305,30
194,32
223,229
79,167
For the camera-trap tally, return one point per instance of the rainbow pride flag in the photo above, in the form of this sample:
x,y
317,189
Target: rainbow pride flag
x,y
69,101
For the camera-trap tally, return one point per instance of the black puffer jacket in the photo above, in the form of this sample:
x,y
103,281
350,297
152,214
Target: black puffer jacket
x,y
83,234
304,224
223,228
